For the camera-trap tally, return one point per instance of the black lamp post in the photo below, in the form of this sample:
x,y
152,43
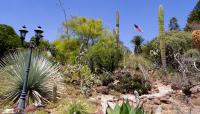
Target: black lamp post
x,y
38,35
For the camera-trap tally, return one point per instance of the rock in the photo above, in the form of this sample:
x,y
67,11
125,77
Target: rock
x,y
195,89
194,96
164,100
158,110
175,87
144,100
103,90
157,102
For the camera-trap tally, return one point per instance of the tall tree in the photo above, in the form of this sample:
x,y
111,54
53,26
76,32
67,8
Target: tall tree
x,y
193,21
173,24
137,41
161,33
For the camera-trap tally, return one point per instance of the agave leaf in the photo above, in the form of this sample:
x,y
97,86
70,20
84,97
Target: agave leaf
x,y
109,110
139,110
124,109
117,109
128,105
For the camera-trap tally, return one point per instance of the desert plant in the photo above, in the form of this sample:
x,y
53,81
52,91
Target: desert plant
x,y
128,83
104,55
125,108
175,42
80,75
77,107
196,38
137,41
40,81
162,40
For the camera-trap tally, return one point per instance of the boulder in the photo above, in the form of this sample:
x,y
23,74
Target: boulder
x,y
156,102
102,89
164,100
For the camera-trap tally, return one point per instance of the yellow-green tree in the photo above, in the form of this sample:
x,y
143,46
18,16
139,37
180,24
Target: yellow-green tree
x,y
67,49
161,33
86,29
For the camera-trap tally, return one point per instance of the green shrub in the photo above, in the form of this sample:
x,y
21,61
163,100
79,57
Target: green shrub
x,y
192,53
65,50
129,83
175,42
125,108
77,107
104,55
106,79
39,85
8,39
80,75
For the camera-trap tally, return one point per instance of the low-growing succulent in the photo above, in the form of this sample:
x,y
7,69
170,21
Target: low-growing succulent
x,y
125,108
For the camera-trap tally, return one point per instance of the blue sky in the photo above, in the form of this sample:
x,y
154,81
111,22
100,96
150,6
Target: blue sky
x,y
47,14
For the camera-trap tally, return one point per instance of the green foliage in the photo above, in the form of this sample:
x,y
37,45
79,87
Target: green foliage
x,y
40,112
87,29
66,50
129,83
192,53
8,39
125,108
80,75
104,55
175,42
77,107
106,78
193,21
137,41
173,25
39,85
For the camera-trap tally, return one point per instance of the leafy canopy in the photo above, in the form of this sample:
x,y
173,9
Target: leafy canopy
x,y
8,38
85,29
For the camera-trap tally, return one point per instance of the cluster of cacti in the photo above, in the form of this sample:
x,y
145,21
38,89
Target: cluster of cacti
x,y
196,38
162,40
125,108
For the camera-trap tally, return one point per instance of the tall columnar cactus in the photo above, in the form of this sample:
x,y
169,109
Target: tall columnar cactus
x,y
117,27
161,33
196,38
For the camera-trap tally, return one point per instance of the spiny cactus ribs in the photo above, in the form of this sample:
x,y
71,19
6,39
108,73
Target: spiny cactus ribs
x,y
196,38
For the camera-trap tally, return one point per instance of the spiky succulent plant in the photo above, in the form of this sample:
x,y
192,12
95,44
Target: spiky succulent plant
x,y
125,108
41,77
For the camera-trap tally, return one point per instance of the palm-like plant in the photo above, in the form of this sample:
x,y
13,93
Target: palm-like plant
x,y
137,41
41,78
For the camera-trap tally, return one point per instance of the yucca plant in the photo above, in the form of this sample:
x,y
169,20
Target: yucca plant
x,y
125,108
42,76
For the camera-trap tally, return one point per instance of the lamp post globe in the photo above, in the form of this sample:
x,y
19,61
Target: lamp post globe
x,y
38,34
23,32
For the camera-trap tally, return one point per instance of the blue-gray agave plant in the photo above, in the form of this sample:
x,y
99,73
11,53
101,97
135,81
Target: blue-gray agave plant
x,y
43,74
